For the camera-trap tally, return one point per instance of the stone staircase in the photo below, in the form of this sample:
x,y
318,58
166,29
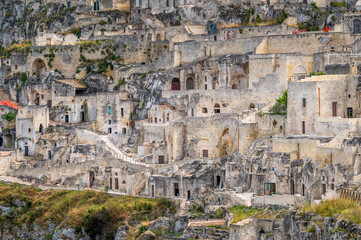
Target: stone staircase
x,y
184,208
110,146
338,140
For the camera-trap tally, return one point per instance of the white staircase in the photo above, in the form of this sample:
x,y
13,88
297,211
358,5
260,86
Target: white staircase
x,y
109,145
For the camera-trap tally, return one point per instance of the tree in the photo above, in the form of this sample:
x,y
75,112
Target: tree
x,y
280,107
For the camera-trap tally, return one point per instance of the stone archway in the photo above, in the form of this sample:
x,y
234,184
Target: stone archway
x,y
38,67
8,140
299,72
35,98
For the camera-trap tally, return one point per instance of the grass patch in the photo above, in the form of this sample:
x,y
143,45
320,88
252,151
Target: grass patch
x,y
96,212
242,212
343,208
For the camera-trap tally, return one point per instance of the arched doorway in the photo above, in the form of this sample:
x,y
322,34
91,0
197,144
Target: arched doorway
x,y
38,68
190,83
8,141
175,84
217,108
357,26
36,98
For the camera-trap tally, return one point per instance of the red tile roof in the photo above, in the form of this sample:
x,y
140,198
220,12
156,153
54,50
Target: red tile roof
x,y
9,104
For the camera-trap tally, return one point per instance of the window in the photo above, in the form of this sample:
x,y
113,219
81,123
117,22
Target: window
x,y
205,153
204,110
110,121
122,112
116,183
124,131
167,117
109,130
303,102
205,87
110,183
109,110
29,130
96,6
303,127
156,120
205,79
160,159
334,109
217,108
137,3
69,4
42,96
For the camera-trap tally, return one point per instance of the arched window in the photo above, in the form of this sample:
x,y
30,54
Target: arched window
x,y
217,108
175,84
41,128
252,106
190,83
158,37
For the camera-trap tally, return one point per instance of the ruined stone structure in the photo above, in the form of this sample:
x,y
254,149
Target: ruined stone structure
x,y
184,99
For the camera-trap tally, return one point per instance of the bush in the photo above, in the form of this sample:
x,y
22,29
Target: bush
x,y
142,230
282,17
23,77
10,116
280,107
258,19
314,5
219,213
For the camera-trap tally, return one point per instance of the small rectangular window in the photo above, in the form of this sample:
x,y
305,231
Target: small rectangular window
x,y
110,121
109,130
304,102
124,130
69,4
122,112
303,127
109,110
29,130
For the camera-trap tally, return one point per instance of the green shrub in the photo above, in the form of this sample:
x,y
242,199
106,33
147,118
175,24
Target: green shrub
x,y
142,229
314,5
10,116
23,77
280,107
258,19
219,213
282,17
